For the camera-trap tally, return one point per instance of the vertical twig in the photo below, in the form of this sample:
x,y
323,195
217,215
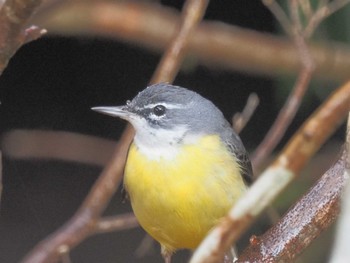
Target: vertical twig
x,y
325,9
283,120
290,108
240,120
279,14
169,65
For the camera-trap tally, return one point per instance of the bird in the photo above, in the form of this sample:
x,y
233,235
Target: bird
x,y
185,168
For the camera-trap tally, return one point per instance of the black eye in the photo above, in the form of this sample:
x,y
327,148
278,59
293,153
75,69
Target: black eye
x,y
159,110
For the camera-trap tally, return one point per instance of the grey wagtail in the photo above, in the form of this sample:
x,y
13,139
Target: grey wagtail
x,y
185,166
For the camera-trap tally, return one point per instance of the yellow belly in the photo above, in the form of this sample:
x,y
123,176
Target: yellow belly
x,y
178,201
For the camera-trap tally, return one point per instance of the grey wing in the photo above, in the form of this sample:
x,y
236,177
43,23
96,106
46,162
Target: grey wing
x,y
235,145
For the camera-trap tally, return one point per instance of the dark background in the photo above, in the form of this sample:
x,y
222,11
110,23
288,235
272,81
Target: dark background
x,y
53,82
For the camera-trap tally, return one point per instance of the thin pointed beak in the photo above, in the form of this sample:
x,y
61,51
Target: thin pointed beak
x,y
119,111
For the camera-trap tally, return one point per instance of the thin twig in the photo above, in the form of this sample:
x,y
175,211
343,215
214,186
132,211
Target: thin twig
x,y
290,108
306,8
322,12
283,120
322,3
285,168
116,223
192,14
240,119
279,14
144,247
65,257
297,26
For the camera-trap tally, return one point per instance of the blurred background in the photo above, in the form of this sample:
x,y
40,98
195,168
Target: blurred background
x,y
51,84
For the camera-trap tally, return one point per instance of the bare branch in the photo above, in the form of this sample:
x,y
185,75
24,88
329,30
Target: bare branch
x,y
213,43
145,246
279,14
84,221
290,108
309,217
240,120
297,26
286,167
283,120
305,5
116,223
60,145
193,12
323,12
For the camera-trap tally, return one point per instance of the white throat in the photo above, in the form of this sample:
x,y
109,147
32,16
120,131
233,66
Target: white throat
x,y
159,143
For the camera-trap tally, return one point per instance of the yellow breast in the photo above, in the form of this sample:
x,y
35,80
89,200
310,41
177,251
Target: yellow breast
x,y
178,201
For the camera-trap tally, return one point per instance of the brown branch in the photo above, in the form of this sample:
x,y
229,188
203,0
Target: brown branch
x,y
14,15
59,145
290,108
169,65
145,246
309,217
240,120
279,14
306,8
322,12
84,221
285,168
283,120
116,223
212,43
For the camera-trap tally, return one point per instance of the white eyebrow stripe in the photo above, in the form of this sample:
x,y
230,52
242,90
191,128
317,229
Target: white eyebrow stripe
x,y
166,105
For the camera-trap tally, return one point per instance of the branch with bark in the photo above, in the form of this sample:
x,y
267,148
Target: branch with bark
x,y
305,221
